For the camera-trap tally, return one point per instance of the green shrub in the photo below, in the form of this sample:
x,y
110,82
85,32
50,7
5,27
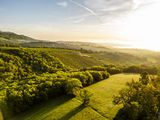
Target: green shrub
x,y
105,75
140,69
89,79
85,77
96,68
85,97
114,70
80,76
97,76
72,86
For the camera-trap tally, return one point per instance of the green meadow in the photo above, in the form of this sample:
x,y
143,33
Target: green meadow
x,y
100,107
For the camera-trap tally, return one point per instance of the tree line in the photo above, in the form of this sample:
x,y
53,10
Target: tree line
x,y
140,100
115,69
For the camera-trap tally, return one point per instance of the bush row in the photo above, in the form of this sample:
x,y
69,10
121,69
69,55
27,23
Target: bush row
x,y
140,69
26,93
112,69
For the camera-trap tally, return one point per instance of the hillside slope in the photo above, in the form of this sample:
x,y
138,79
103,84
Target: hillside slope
x,y
18,63
81,59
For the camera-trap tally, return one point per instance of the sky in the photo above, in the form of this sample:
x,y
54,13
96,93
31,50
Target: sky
x,y
131,22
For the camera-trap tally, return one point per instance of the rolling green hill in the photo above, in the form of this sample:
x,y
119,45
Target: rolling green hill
x,y
81,59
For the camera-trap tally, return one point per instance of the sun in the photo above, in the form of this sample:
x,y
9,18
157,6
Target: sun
x,y
142,27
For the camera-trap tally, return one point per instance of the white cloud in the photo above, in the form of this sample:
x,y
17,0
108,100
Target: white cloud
x,y
79,20
62,4
110,5
115,5
78,17
84,7
82,17
108,11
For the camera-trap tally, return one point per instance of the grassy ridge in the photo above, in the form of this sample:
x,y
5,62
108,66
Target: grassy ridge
x,y
71,58
80,59
65,108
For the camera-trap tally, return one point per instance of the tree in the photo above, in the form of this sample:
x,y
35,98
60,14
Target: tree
x,y
141,100
144,79
85,97
72,86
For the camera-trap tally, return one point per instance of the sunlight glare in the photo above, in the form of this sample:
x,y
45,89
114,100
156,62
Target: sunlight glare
x,y
143,27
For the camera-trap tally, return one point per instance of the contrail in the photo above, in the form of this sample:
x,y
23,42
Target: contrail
x,y
84,7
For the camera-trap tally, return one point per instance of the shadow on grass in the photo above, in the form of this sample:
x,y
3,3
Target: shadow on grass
x,y
73,112
42,108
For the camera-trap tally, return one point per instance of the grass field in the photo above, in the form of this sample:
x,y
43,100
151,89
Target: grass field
x,y
103,92
64,108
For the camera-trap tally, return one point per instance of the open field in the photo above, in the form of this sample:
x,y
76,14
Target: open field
x,y
103,92
101,107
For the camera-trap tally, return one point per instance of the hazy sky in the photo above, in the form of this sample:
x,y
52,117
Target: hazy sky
x,y
133,22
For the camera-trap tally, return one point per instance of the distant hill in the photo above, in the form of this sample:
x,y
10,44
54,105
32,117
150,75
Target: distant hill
x,y
10,37
93,52
67,45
